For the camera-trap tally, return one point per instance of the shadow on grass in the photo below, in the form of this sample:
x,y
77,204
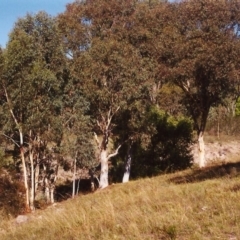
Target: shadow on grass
x,y
211,172
64,190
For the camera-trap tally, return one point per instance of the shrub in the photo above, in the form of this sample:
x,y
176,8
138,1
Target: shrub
x,y
11,195
164,147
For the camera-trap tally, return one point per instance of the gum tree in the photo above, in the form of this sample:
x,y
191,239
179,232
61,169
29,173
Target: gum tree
x,y
106,66
31,83
203,54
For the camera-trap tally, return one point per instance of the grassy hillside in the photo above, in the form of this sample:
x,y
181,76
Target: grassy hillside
x,y
193,204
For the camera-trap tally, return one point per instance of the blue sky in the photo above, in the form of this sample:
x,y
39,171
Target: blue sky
x,y
11,10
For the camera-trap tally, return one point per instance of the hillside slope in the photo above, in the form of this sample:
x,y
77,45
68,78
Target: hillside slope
x,y
193,204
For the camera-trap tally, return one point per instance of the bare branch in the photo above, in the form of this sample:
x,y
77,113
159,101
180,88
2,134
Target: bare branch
x,y
103,118
109,113
115,153
109,119
186,86
97,140
11,139
10,107
101,126
110,116
67,121
97,179
116,111
98,123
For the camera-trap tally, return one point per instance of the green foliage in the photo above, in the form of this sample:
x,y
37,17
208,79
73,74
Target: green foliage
x,y
204,54
237,109
33,75
32,81
163,146
168,147
77,142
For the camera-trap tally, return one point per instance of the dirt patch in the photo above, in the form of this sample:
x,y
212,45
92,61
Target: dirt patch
x,y
219,152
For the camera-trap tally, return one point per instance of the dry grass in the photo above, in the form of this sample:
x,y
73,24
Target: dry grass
x,y
193,204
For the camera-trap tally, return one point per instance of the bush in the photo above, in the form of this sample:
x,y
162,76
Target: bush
x,y
11,195
164,147
169,145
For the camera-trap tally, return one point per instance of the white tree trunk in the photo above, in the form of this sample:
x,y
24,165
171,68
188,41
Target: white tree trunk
x,y
32,195
127,168
201,150
104,169
24,170
37,171
103,147
74,177
52,194
78,185
47,191
126,176
92,180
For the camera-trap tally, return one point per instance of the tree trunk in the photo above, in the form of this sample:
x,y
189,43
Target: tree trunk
x,y
32,195
92,180
37,171
104,169
201,150
104,157
74,178
52,194
127,167
78,184
21,149
47,190
24,170
103,147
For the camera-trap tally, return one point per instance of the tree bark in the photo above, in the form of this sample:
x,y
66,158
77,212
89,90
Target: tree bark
x,y
32,193
104,169
201,150
24,170
47,190
78,183
127,167
52,194
103,147
37,171
92,180
104,157
74,178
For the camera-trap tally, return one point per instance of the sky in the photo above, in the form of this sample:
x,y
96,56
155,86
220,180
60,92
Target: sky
x,y
11,10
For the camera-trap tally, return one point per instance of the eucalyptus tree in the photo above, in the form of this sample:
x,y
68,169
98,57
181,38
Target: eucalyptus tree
x,y
32,80
107,67
145,31
202,44
78,142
